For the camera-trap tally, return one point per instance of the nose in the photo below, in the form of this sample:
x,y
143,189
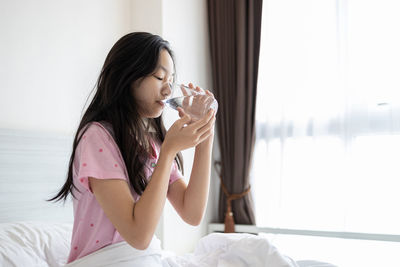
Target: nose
x,y
167,90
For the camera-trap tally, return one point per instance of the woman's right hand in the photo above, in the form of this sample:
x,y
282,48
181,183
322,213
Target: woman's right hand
x,y
180,137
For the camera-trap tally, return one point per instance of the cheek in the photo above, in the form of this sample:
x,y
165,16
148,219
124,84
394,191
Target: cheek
x,y
147,106
139,94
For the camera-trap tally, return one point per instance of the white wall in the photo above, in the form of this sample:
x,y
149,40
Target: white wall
x,y
51,53
147,16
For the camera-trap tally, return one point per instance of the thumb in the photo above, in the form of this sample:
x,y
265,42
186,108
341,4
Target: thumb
x,y
181,112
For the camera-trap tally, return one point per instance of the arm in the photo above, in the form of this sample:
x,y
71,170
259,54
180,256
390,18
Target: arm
x,y
190,201
136,222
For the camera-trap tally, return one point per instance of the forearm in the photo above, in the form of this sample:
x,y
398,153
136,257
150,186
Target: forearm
x,y
147,211
196,194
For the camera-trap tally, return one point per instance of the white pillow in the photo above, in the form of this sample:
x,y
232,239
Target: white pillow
x,y
34,244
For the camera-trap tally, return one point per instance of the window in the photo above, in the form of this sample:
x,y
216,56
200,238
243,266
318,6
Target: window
x,y
328,117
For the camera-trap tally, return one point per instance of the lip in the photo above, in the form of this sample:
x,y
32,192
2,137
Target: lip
x,y
161,103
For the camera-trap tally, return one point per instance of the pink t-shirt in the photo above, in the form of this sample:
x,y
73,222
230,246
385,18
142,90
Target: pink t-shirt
x,y
98,156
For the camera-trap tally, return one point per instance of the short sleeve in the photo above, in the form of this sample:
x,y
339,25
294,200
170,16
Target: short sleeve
x,y
175,173
98,157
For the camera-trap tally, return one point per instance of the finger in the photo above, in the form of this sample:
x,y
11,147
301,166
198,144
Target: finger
x,y
209,93
207,127
205,136
203,121
183,89
181,112
208,100
198,89
182,121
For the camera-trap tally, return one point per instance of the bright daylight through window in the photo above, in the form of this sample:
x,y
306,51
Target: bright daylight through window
x,y
328,126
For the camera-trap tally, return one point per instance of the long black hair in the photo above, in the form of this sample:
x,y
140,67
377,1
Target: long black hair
x,y
132,57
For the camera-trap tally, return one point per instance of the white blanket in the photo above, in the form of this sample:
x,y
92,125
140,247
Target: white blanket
x,y
214,250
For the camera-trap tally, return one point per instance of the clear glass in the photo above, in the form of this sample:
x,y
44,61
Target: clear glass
x,y
194,103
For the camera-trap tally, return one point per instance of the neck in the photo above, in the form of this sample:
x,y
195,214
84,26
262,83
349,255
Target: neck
x,y
148,125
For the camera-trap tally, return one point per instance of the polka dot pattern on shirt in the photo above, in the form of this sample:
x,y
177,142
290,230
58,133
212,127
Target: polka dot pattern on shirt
x,y
98,156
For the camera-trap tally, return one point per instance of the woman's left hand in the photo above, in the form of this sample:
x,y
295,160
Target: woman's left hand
x,y
182,112
197,89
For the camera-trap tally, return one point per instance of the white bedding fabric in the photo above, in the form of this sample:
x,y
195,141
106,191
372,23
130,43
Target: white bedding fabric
x,y
44,244
222,250
34,244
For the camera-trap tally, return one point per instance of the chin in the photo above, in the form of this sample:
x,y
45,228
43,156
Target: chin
x,y
152,112
154,115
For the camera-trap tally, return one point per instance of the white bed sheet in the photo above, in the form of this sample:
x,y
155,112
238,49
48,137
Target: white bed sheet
x,y
34,244
47,244
217,249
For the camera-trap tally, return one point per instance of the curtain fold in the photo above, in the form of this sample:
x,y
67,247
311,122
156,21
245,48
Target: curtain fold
x,y
235,28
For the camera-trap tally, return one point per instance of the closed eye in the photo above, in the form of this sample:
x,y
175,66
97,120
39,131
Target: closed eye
x,y
158,78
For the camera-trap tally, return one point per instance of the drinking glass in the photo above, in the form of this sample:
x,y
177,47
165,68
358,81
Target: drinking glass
x,y
194,103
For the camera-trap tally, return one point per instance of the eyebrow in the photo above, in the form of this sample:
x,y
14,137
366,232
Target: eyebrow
x,y
166,70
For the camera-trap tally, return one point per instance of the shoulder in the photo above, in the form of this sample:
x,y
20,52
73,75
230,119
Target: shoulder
x,y
98,147
96,134
97,129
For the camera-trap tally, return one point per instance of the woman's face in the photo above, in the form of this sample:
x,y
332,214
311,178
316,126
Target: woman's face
x,y
149,91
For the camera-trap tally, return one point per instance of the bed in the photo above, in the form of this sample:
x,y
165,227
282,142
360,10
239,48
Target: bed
x,y
34,232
